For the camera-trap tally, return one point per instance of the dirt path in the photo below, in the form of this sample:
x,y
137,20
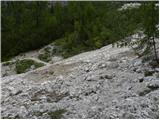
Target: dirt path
x,y
36,60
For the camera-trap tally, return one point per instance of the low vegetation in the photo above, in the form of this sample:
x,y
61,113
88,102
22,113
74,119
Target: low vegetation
x,y
148,73
24,65
57,114
7,63
75,26
46,57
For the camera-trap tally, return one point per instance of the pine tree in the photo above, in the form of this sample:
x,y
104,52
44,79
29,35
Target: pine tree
x,y
149,24
150,29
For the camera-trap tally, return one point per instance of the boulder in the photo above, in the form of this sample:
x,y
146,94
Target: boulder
x,y
149,78
107,76
157,69
14,91
139,70
91,78
137,62
23,113
140,79
86,69
32,67
153,85
102,65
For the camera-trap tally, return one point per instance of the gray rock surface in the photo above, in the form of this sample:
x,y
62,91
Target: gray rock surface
x,y
89,85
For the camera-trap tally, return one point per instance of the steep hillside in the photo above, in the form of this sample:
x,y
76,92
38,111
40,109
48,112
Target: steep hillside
x,y
105,83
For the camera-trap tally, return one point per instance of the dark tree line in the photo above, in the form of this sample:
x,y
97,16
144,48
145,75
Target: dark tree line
x,y
75,26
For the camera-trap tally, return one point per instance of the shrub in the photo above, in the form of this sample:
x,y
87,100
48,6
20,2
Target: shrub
x,y
148,73
44,57
47,49
57,50
57,114
23,65
154,64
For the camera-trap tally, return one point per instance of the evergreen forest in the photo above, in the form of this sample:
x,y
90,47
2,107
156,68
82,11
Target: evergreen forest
x,y
75,27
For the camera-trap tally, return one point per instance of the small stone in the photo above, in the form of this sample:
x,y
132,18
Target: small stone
x,y
96,97
138,70
14,91
108,76
140,79
153,85
157,69
60,77
134,69
90,78
32,67
137,62
18,92
124,61
43,98
144,91
86,69
112,59
89,64
102,65
156,74
23,112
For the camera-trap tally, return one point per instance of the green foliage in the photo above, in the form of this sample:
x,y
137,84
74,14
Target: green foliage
x,y
47,49
44,57
23,65
151,15
57,114
154,64
76,27
26,26
148,73
145,20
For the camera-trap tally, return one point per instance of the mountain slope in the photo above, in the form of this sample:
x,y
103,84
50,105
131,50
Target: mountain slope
x,y
105,83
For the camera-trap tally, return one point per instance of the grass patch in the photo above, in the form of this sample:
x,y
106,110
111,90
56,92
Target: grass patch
x,y
24,65
57,114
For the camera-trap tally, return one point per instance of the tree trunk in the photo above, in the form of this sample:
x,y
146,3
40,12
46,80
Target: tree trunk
x,y
153,39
